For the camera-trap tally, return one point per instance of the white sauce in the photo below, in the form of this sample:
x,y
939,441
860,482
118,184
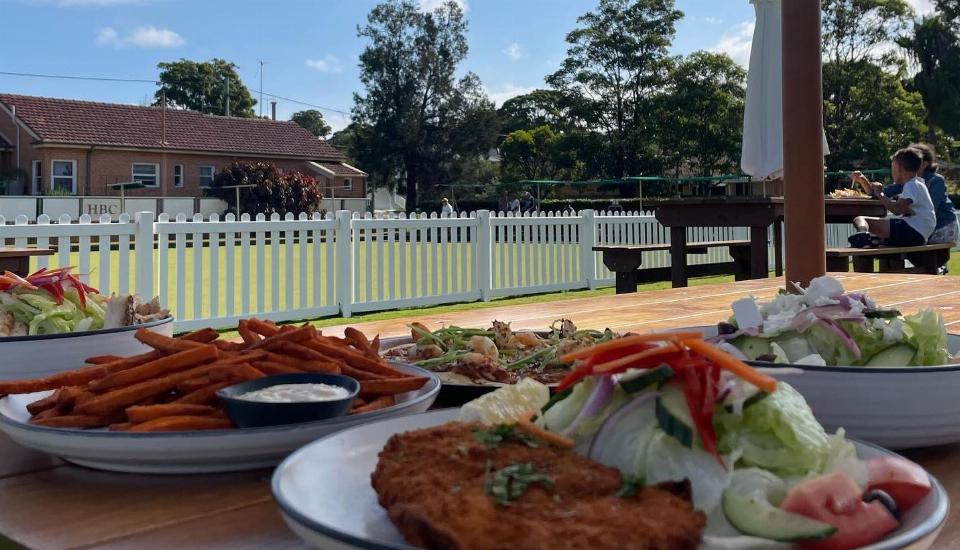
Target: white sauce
x,y
296,393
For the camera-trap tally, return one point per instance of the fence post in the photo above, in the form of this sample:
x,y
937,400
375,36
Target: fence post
x,y
143,254
484,264
343,259
588,236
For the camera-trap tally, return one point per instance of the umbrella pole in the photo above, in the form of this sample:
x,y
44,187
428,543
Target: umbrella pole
x,y
804,216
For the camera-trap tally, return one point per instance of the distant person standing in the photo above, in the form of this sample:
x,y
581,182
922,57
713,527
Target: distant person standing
x,y
527,204
515,204
446,209
503,202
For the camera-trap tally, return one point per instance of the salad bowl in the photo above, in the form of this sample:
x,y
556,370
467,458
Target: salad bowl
x,y
42,355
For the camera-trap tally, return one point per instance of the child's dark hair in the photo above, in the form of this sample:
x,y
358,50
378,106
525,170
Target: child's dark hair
x,y
909,159
928,154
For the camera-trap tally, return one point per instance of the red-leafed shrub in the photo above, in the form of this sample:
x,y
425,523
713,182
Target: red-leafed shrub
x,y
275,190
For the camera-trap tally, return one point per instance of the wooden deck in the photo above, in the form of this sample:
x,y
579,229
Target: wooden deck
x,y
45,503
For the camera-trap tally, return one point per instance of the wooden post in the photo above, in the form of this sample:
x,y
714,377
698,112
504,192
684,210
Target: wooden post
x,y
804,215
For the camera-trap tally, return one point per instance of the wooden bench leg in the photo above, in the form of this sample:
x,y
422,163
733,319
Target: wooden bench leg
x,y
863,264
678,256
741,260
759,268
778,247
927,262
889,264
627,282
838,264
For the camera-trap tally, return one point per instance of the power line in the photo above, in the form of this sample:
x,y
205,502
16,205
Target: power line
x,y
157,82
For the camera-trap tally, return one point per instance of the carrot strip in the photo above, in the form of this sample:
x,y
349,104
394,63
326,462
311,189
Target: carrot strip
x,y
629,341
524,424
627,360
732,364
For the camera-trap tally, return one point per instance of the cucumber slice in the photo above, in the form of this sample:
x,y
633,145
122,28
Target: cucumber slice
x,y
637,380
900,355
673,415
752,346
754,515
742,392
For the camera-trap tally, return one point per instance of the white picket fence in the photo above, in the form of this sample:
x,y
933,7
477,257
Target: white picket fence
x,y
213,271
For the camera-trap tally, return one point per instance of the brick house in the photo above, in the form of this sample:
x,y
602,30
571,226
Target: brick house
x,y
82,147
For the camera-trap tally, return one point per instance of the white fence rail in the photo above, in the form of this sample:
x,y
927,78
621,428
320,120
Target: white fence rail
x,y
212,271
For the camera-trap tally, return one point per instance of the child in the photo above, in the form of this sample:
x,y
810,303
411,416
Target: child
x,y
914,219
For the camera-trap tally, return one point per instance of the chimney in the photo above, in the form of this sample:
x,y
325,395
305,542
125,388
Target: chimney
x,y
273,110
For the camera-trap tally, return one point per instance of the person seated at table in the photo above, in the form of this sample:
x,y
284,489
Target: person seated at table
x,y
914,219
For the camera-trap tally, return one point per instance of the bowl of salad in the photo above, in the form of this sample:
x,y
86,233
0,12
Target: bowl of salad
x,y
889,378
763,471
51,321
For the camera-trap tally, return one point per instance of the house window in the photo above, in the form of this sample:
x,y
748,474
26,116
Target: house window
x,y
37,176
63,176
146,174
347,184
206,176
178,175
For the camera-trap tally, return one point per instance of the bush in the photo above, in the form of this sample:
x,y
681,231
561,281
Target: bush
x,y
276,191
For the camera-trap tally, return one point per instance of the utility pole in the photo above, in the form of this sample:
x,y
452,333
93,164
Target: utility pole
x,y
226,82
262,63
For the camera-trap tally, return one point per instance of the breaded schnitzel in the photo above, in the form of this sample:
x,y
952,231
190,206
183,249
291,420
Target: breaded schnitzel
x,y
473,487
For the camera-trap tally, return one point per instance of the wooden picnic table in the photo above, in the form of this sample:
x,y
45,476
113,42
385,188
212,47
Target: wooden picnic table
x,y
17,260
46,503
757,213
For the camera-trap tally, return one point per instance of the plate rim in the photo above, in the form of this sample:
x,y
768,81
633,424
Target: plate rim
x,y
434,389
98,332
928,526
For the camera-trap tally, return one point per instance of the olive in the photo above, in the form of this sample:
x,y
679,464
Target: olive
x,y
883,498
769,358
726,328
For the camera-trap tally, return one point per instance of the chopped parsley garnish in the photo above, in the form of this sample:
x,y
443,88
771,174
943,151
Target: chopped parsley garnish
x,y
629,486
493,437
509,483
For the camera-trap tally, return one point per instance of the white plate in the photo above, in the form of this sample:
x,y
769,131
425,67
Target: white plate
x,y
894,407
191,452
311,484
39,356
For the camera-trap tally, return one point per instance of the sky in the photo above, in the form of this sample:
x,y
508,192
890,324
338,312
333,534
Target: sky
x,y
310,47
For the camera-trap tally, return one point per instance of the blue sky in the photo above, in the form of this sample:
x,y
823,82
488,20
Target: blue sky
x,y
310,47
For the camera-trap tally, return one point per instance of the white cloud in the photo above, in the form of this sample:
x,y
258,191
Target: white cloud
x,y
512,51
736,42
140,37
327,64
431,5
922,7
507,90
712,20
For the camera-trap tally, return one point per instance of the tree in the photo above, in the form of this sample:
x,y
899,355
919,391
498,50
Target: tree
x,y
615,63
312,120
528,154
418,112
202,86
874,116
857,30
934,45
276,190
534,109
701,113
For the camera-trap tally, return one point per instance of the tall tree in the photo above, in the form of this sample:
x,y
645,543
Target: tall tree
x,y
312,120
202,86
413,101
934,45
615,63
701,117
858,30
528,154
534,109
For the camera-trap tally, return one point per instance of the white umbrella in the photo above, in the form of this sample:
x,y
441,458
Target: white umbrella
x,y
762,153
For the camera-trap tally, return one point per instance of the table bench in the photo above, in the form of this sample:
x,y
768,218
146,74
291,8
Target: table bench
x,y
17,260
625,261
927,258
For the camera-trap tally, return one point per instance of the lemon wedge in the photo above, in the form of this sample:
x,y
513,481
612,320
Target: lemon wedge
x,y
506,404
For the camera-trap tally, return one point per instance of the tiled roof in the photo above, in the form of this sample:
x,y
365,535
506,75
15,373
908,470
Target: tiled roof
x,y
112,124
341,169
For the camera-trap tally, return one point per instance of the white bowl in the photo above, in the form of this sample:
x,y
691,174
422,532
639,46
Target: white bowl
x,y
37,356
894,407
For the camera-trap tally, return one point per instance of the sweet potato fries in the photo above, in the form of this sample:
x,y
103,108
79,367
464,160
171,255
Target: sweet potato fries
x,y
174,386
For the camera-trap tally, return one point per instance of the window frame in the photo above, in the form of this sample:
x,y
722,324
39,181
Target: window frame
x,y
178,175
156,173
200,176
36,176
73,177
348,184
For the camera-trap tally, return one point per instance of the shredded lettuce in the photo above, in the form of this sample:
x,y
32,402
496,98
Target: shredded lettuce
x,y
36,312
668,460
925,332
563,412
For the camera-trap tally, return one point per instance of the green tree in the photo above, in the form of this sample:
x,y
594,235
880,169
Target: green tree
x,y
934,45
202,86
615,63
854,30
701,116
312,120
534,109
417,110
528,154
876,117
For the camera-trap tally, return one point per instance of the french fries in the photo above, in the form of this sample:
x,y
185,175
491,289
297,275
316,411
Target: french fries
x,y
173,387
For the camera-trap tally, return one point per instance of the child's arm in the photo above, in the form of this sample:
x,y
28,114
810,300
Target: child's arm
x,y
900,207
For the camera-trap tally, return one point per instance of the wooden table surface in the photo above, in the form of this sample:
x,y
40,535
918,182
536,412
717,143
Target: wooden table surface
x,y
45,503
